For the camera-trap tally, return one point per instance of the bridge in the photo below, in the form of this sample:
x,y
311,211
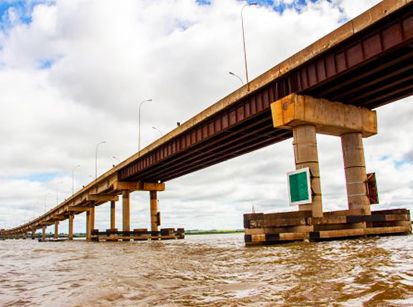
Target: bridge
x,y
362,65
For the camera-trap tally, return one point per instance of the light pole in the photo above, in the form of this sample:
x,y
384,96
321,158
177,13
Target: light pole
x,y
116,160
139,135
45,199
57,192
160,132
73,179
96,158
236,76
243,42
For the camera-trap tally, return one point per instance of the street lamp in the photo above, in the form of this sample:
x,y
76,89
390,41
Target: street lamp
x,y
160,132
96,158
116,160
236,76
73,178
45,200
243,42
139,136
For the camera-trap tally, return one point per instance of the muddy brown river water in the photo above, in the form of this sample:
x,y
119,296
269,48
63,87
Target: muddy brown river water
x,y
207,270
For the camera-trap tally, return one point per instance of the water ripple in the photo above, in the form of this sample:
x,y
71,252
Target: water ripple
x,y
207,271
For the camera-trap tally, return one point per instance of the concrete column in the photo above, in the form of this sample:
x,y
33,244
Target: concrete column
x,y
71,217
88,225
355,170
33,234
56,229
306,155
154,211
92,218
125,212
43,233
112,215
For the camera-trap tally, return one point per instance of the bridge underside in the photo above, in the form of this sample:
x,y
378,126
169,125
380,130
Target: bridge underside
x,y
380,81
372,68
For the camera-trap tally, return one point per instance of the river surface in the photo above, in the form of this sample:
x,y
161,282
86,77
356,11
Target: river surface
x,y
207,270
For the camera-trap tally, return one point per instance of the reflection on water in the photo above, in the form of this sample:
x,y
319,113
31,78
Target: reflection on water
x,y
207,270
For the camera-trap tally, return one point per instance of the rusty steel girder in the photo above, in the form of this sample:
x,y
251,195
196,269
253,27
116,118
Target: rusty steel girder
x,y
371,68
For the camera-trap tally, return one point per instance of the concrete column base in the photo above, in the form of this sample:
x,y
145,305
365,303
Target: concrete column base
x,y
70,236
56,229
306,155
112,215
355,170
43,233
88,226
92,218
126,212
154,211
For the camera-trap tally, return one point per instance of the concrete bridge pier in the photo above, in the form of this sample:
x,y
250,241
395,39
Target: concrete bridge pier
x,y
155,214
71,218
34,233
306,155
43,232
112,215
56,229
306,116
92,217
126,212
88,225
126,189
355,170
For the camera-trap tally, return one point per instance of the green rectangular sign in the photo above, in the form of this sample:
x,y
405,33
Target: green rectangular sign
x,y
299,187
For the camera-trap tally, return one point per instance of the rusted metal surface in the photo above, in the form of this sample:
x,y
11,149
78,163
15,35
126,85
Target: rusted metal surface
x,y
371,68
372,191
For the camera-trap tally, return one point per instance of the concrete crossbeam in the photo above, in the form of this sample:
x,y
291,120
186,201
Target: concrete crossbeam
x,y
102,198
138,186
332,118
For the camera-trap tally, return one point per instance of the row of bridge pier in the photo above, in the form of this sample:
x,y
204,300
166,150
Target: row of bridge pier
x,y
305,116
112,233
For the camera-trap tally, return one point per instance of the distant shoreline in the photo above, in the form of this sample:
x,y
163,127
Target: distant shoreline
x,y
211,232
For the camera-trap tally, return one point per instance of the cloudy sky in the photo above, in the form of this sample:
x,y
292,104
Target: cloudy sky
x,y
73,72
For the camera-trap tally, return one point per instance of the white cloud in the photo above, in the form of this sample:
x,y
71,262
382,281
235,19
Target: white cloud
x,y
354,8
106,56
